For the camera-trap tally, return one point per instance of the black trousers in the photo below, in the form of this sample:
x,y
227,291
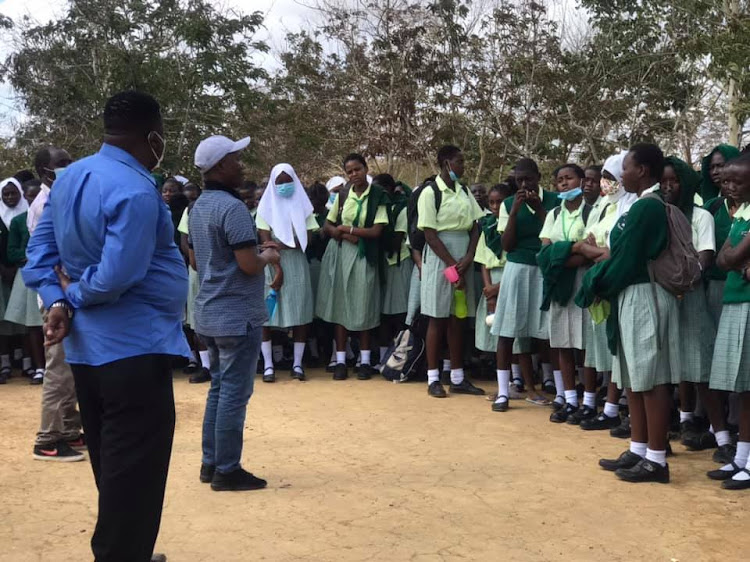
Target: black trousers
x,y
127,412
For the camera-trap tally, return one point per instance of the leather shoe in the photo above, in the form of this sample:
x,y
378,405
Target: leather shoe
x,y
269,375
340,372
600,422
465,387
436,390
699,441
207,473
622,431
501,406
366,372
562,415
645,471
737,484
626,460
719,474
236,481
585,413
204,375
158,557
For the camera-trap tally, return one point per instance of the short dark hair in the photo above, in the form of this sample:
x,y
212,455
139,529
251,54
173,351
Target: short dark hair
x,y
575,167
131,112
526,165
354,156
502,188
42,158
318,193
24,175
33,182
447,152
594,167
743,160
385,181
651,156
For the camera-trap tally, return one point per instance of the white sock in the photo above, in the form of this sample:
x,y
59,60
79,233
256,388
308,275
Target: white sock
x,y
611,410
638,448
4,360
559,384
742,476
446,365
685,416
457,376
503,382
265,349
723,438
383,351
433,375
659,457
740,457
205,361
515,368
26,363
299,352
589,399
547,374
571,397
17,354
365,355
341,357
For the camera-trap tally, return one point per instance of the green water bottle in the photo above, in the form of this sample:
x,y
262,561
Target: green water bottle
x,y
459,304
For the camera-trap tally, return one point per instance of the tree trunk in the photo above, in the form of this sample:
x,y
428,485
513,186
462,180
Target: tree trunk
x,y
731,11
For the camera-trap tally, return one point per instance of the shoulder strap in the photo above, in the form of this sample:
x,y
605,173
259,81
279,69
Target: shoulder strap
x,y
343,194
556,211
438,195
716,205
604,211
586,212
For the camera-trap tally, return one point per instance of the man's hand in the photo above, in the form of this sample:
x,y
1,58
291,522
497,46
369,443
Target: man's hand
x,y
62,276
56,325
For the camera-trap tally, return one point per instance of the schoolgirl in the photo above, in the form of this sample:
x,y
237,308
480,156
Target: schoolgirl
x,y
284,218
348,290
711,167
644,321
519,311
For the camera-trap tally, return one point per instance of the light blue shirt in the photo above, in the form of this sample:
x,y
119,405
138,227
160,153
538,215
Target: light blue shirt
x,y
107,225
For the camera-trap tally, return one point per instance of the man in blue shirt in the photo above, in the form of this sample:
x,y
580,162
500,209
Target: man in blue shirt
x,y
104,261
229,309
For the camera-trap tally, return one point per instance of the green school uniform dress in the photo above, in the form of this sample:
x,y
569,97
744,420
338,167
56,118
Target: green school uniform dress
x,y
415,295
349,286
715,276
484,340
730,368
316,247
458,213
23,304
519,311
294,301
193,283
398,274
647,349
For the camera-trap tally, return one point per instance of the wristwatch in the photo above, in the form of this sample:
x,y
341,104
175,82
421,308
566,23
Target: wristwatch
x,y
65,305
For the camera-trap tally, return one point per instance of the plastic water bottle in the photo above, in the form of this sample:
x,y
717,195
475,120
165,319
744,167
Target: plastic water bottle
x,y
459,304
271,301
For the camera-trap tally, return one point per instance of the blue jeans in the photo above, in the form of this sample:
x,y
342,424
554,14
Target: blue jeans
x,y
233,363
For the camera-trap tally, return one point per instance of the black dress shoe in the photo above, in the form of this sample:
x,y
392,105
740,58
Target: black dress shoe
x,y
500,406
236,481
207,473
622,431
330,367
366,372
158,558
600,422
298,373
557,405
191,368
549,387
562,415
699,441
204,375
724,454
737,484
269,375
518,383
340,372
436,390
687,428
724,474
645,471
626,460
583,414
465,387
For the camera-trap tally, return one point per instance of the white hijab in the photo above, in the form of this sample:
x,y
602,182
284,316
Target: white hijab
x,y
624,200
7,214
287,217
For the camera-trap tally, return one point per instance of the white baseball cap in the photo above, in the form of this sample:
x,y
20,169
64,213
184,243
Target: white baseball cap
x,y
210,151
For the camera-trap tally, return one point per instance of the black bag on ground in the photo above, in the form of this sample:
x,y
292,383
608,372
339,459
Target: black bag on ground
x,y
406,358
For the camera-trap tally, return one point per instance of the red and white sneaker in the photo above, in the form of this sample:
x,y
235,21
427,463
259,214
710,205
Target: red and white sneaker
x,y
57,452
78,444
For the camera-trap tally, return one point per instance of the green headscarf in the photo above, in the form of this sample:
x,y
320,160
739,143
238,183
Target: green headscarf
x,y
708,189
689,183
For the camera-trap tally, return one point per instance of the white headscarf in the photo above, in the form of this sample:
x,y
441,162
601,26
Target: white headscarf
x,y
7,214
335,182
287,216
624,200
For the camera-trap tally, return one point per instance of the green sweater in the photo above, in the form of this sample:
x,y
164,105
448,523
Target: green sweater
x,y
559,281
528,227
722,223
18,238
736,289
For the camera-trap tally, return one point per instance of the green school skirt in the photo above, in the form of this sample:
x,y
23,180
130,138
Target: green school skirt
x,y
697,336
415,296
484,340
348,289
598,355
314,265
294,303
396,287
715,297
730,368
23,305
648,354
437,292
519,313
193,286
566,322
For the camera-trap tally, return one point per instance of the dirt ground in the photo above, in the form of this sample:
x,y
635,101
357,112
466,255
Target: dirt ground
x,y
377,471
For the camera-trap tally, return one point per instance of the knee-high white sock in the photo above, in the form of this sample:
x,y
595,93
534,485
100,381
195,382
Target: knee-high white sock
x,y
299,352
266,350
515,369
205,359
365,356
571,397
559,384
503,383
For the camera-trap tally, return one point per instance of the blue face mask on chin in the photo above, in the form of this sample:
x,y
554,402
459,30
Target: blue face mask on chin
x,y
285,190
453,175
570,195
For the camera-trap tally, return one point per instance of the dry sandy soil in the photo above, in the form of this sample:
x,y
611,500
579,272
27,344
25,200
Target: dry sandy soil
x,y
378,471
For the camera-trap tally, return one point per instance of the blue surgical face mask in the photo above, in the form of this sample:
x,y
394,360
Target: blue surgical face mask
x,y
570,195
453,176
331,198
285,190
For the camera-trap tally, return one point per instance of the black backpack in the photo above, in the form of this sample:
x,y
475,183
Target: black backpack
x,y
406,358
416,236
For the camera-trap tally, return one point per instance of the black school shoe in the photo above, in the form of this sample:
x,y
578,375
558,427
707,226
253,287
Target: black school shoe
x,y
239,480
501,406
366,372
204,375
436,390
207,473
298,373
622,431
583,414
600,422
645,471
724,454
626,460
699,441
340,372
724,474
562,415
465,387
737,484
